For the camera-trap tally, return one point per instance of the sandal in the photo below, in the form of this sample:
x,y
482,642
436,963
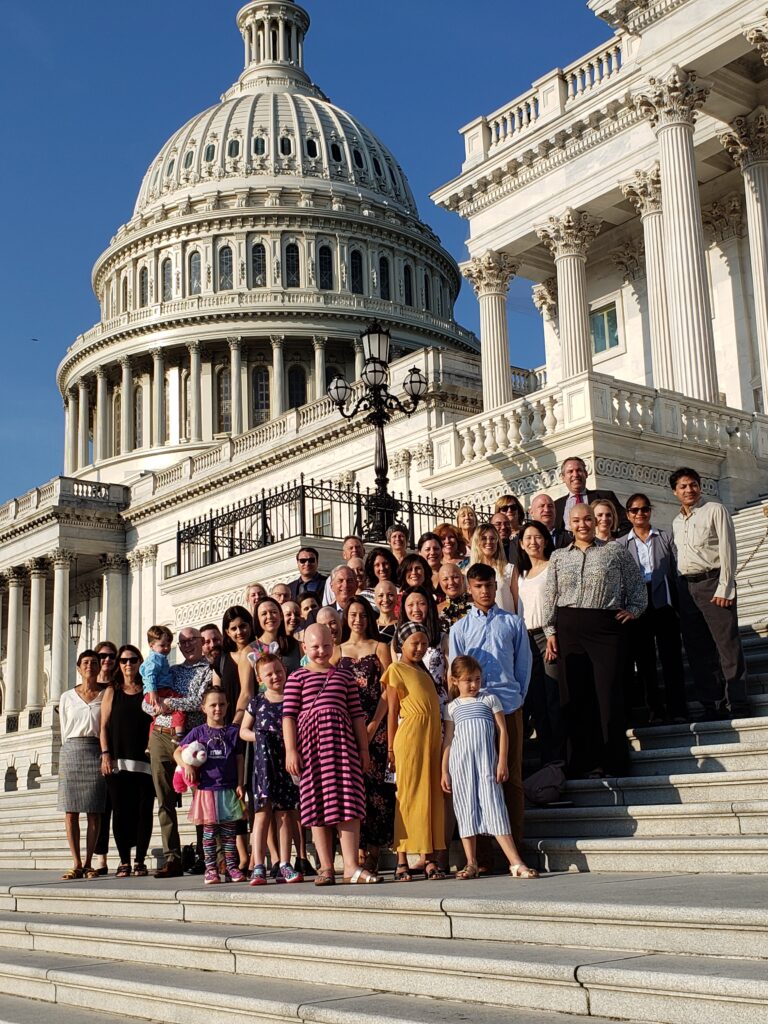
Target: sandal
x,y
93,872
72,874
123,871
403,873
140,869
470,871
362,877
326,876
433,872
522,871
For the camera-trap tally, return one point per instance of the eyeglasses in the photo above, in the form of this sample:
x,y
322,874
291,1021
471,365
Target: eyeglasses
x,y
189,641
129,661
639,508
508,508
306,561
105,657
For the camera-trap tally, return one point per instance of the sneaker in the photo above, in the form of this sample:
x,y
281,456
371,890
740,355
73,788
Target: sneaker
x,y
212,877
287,874
236,875
304,867
258,875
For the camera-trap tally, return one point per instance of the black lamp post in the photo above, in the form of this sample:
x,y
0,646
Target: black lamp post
x,y
379,403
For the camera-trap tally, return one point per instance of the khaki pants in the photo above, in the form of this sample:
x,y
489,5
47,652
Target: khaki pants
x,y
163,766
514,795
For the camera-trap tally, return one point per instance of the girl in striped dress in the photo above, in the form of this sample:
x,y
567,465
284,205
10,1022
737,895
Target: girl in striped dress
x,y
473,769
326,745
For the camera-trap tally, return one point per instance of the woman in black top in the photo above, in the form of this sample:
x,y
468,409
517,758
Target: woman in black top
x,y
125,761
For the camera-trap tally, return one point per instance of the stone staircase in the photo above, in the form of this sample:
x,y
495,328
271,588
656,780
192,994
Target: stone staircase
x,y
564,950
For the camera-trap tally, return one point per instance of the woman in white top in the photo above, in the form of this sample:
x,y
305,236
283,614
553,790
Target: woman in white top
x,y
82,789
606,519
542,702
488,549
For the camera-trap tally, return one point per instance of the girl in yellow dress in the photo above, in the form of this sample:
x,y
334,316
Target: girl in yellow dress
x,y
414,742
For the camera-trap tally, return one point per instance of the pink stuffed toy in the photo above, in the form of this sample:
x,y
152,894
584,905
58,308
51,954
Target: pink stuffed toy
x,y
193,754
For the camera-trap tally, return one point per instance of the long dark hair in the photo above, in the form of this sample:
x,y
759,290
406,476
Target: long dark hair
x,y
405,566
371,629
523,561
370,576
117,672
431,623
285,643
235,612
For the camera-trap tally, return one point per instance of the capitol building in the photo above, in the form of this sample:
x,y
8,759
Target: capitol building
x,y
200,446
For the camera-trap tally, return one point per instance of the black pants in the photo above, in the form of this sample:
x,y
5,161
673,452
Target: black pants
x,y
659,628
712,641
133,798
542,702
591,644
102,843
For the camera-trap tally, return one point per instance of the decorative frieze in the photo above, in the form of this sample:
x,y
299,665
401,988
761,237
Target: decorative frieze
x,y
630,260
676,99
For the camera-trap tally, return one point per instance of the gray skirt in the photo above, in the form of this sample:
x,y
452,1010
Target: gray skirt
x,y
82,787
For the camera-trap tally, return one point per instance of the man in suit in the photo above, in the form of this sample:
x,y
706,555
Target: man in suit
x,y
542,509
659,625
573,473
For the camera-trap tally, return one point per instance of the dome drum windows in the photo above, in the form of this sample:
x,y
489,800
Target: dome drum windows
x,y
223,418
356,281
233,148
143,287
167,280
188,158
408,286
195,274
336,154
258,266
286,145
427,293
292,266
297,387
260,397
325,268
312,149
210,153
385,284
260,146
226,269
357,156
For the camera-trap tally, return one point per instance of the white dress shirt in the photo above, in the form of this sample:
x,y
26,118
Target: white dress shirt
x,y
706,540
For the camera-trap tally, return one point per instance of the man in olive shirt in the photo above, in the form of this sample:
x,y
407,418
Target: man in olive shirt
x,y
706,563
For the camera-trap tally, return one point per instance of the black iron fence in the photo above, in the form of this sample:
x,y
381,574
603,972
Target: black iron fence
x,y
304,509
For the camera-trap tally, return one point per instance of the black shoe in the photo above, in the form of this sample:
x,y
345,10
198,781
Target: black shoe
x,y
304,867
171,869
198,867
275,872
740,711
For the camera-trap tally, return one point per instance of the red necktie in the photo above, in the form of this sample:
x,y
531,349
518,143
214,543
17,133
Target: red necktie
x,y
579,499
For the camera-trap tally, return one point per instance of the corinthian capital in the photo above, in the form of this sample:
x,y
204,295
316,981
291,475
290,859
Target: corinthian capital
x,y
490,272
644,191
758,40
545,297
570,235
630,259
724,218
676,99
747,141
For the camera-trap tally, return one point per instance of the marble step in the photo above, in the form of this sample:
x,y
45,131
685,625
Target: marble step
x,y
694,787
663,737
32,1011
715,757
680,854
667,913
706,819
262,976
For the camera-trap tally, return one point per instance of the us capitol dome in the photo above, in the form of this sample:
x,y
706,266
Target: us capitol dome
x,y
267,233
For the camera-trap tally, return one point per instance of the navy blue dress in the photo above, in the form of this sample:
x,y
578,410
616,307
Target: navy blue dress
x,y
270,779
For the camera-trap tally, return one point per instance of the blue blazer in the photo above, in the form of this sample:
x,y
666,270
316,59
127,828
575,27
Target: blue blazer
x,y
664,565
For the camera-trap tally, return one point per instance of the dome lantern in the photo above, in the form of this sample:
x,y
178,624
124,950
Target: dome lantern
x,y
273,35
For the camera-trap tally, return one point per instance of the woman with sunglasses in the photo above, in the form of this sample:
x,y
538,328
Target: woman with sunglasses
x,y
659,625
106,652
125,762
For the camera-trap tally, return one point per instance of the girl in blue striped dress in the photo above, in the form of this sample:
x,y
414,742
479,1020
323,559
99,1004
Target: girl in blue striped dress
x,y
473,769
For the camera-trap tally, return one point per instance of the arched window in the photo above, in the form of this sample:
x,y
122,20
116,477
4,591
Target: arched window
x,y
286,146
297,387
258,266
210,153
223,401
167,273
408,286
260,395
385,287
195,274
226,278
143,287
356,272
260,145
325,268
312,150
233,148
124,296
427,293
138,417
336,154
292,272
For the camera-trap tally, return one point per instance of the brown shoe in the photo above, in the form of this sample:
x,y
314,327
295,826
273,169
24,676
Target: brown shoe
x,y
171,869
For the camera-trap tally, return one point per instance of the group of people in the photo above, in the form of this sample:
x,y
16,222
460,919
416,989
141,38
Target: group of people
x,y
386,704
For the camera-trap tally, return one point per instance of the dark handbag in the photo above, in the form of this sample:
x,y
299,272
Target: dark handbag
x,y
547,785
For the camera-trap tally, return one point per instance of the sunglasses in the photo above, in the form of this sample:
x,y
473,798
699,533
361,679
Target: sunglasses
x,y
306,561
129,661
639,508
106,657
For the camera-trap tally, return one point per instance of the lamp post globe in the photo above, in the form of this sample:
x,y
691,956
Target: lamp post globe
x,y
339,391
415,384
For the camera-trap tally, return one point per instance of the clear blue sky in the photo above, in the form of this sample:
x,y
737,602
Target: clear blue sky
x,y
89,92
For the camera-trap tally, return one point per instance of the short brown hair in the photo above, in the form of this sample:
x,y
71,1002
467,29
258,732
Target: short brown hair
x,y
463,665
155,634
266,659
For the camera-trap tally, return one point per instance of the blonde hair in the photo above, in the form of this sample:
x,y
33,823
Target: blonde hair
x,y
499,563
594,505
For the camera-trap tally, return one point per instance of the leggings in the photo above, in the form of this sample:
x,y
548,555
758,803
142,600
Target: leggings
x,y
133,798
226,832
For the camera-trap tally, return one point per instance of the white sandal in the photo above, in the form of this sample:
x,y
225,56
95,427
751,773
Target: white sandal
x,y
361,876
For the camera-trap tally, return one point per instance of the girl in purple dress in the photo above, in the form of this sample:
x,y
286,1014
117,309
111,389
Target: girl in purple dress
x,y
326,744
217,803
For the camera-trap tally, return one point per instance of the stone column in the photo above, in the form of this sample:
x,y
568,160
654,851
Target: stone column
x,y
568,238
60,633
84,424
278,375
38,571
135,605
13,654
101,431
319,344
490,275
357,345
195,392
72,451
644,192
672,106
747,144
236,384
112,609
126,407
158,397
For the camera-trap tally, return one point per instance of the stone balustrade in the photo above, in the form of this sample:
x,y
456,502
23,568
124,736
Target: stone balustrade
x,y
526,381
511,120
593,70
61,490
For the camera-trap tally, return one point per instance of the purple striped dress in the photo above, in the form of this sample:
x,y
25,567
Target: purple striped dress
x,y
332,787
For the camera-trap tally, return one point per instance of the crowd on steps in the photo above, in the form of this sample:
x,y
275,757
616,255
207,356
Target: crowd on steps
x,y
384,706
